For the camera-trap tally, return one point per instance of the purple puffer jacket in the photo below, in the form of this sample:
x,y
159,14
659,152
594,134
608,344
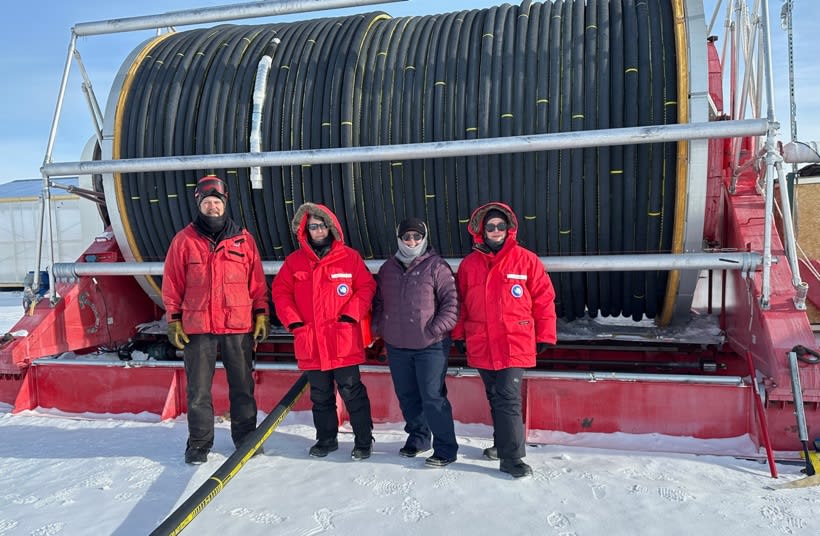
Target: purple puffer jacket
x,y
417,307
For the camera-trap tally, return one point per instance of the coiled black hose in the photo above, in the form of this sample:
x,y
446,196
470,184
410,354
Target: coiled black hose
x,y
364,80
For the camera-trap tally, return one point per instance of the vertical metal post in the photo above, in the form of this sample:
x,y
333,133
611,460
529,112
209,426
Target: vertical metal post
x,y
800,287
45,213
789,38
771,155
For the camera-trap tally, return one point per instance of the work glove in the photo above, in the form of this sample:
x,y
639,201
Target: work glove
x,y
461,347
176,336
541,347
347,319
261,328
295,325
374,350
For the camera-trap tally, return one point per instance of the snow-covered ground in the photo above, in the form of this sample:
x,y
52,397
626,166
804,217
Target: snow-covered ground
x,y
102,474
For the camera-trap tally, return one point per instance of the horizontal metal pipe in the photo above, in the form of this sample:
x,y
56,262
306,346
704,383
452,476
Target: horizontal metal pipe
x,y
412,151
746,262
458,372
215,14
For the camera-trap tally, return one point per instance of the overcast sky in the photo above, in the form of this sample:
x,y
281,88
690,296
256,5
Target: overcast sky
x,y
36,36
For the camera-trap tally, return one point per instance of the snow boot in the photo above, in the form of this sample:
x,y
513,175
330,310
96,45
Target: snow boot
x,y
438,461
323,447
516,467
196,455
411,452
362,452
491,453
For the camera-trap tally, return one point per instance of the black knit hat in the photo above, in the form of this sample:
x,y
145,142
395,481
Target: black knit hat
x,y
412,224
495,213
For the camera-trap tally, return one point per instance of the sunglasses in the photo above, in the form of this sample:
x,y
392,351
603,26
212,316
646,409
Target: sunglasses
x,y
490,227
406,237
316,226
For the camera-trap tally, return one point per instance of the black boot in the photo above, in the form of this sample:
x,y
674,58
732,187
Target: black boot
x,y
323,447
196,455
516,467
362,449
491,453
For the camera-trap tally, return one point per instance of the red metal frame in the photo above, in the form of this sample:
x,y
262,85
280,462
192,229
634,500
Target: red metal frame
x,y
105,311
91,313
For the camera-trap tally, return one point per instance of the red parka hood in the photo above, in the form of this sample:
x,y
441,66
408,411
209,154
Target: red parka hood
x,y
476,224
305,211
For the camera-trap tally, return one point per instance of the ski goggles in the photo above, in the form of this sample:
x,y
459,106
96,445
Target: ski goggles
x,y
210,185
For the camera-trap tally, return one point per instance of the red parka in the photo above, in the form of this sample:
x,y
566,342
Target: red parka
x,y
214,287
317,292
507,300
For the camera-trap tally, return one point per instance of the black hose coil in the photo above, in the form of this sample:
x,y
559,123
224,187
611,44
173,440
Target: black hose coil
x,y
365,80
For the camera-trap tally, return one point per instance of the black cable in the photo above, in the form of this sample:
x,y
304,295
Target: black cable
x,y
318,176
590,154
262,200
565,178
616,162
436,107
670,152
527,26
630,106
373,218
382,234
379,171
482,114
351,172
553,158
603,169
370,80
643,164
291,176
462,124
405,188
497,181
394,208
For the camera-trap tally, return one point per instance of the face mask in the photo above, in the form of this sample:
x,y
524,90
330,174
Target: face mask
x,y
212,224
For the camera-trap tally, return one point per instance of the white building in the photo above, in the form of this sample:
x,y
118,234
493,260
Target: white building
x,y
75,223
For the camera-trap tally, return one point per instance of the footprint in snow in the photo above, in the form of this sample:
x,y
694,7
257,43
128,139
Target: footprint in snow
x,y
6,525
48,530
783,520
412,511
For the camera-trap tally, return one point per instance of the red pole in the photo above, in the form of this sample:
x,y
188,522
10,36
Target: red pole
x,y
761,416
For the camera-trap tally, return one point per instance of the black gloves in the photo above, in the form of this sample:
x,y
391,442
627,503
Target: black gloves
x,y
541,347
347,319
293,325
461,347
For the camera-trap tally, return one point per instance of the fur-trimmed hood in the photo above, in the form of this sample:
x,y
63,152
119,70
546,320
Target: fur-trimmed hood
x,y
305,210
476,224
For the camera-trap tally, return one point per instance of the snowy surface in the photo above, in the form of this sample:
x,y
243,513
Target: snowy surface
x,y
104,474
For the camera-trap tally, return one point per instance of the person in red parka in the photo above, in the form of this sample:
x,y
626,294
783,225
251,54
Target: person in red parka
x,y
321,294
215,295
507,315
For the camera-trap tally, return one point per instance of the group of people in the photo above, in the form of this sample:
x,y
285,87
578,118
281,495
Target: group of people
x,y
497,310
